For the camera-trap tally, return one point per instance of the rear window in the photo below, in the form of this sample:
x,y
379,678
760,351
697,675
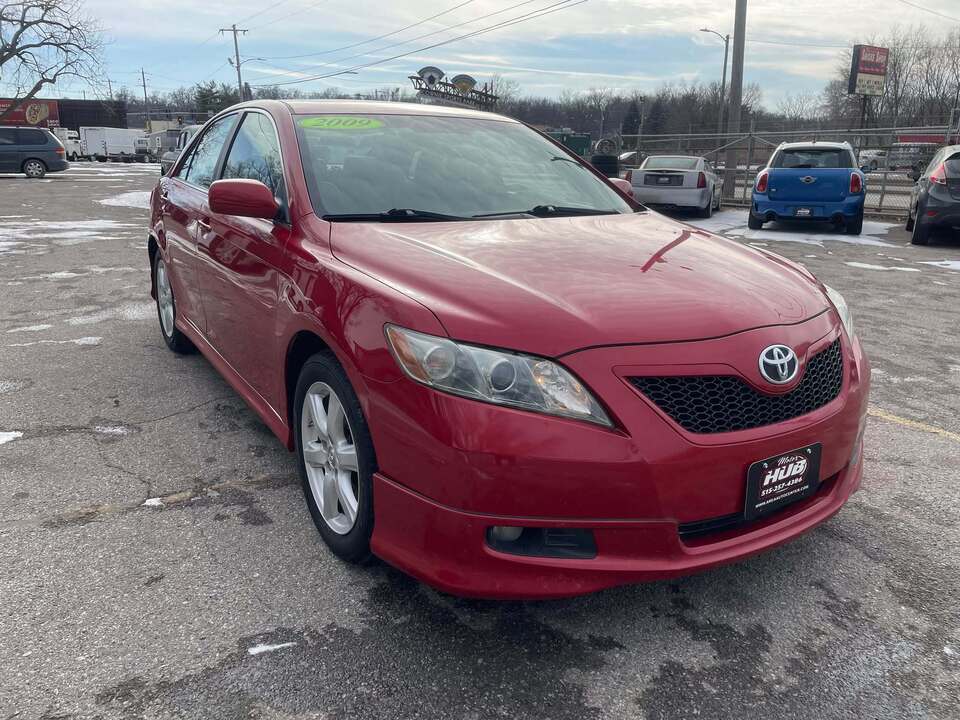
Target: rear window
x,y
33,137
813,158
670,163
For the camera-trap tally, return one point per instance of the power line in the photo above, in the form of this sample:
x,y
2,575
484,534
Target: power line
x,y
795,44
928,10
261,12
332,63
548,10
288,15
378,37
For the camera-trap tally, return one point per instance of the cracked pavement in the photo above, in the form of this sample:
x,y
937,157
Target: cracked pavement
x,y
157,559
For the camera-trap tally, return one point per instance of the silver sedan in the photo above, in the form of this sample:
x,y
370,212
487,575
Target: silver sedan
x,y
677,181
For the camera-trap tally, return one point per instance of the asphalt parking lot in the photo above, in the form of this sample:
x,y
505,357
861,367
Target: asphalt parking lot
x,y
157,559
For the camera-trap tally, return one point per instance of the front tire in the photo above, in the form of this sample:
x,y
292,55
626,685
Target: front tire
x,y
335,457
34,169
167,309
909,226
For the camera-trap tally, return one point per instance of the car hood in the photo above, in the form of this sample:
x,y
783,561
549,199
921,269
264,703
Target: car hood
x,y
551,286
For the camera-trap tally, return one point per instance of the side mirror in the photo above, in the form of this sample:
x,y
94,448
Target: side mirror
x,y
914,174
865,169
623,186
246,198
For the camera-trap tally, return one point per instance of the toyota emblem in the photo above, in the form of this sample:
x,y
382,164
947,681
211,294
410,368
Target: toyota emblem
x,y
779,364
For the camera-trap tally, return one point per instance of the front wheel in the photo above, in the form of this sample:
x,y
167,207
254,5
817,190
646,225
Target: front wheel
x,y
909,226
753,222
167,309
34,169
335,457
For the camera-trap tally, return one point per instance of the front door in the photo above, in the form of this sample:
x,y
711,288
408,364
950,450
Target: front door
x,y
242,262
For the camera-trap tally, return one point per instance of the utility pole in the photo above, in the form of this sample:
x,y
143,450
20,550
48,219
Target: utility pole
x,y
736,96
146,103
110,88
236,53
723,82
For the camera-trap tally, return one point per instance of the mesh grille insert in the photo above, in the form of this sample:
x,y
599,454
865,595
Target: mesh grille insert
x,y
724,403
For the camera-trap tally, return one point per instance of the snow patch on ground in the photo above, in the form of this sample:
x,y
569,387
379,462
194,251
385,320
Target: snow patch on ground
x,y
258,649
138,199
868,266
30,328
129,311
111,430
946,264
733,223
6,437
78,341
153,502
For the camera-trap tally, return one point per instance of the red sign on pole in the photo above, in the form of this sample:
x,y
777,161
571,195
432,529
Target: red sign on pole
x,y
873,60
40,113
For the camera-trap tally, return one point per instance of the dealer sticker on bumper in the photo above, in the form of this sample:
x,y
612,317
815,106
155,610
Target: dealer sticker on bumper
x,y
781,480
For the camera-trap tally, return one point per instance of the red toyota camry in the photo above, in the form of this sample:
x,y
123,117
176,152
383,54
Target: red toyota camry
x,y
498,372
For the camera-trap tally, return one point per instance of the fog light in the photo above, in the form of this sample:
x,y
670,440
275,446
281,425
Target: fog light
x,y
505,533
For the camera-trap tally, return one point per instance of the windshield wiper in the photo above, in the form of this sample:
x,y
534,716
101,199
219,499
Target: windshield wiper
x,y
552,211
392,215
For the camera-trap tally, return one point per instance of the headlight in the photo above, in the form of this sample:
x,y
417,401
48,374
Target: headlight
x,y
842,310
494,376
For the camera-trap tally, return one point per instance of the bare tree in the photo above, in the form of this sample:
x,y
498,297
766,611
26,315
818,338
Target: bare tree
x,y
600,99
504,88
43,42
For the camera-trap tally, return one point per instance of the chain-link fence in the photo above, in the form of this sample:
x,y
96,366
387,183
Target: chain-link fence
x,y
890,154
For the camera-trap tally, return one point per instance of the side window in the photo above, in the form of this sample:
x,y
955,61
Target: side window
x,y
32,137
255,154
8,136
202,164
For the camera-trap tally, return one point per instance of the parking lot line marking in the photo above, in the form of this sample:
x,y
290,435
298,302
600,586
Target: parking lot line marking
x,y
915,424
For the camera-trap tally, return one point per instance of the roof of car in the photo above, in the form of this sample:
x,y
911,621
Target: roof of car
x,y
372,107
815,143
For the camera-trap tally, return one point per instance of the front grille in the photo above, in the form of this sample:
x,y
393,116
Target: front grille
x,y
724,403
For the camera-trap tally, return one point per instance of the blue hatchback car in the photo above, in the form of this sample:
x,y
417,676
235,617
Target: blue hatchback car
x,y
810,181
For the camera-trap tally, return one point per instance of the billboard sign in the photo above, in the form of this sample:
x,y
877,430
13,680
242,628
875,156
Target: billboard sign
x,y
868,70
41,113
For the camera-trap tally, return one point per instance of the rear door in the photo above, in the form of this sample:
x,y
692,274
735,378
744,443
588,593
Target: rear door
x,y
183,198
811,175
243,259
9,151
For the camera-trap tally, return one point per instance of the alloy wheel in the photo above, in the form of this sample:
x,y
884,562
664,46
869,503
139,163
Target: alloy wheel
x,y
330,457
165,299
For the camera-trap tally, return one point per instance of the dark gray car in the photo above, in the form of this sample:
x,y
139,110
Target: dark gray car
x,y
31,151
935,198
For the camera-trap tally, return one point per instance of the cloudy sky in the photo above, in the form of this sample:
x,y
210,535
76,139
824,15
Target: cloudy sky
x,y
792,45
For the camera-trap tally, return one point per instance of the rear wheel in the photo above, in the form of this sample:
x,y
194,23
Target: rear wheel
x,y
921,232
34,169
335,457
855,226
753,222
167,309
707,210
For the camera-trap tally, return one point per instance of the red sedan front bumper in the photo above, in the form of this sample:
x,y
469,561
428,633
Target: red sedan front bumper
x,y
452,468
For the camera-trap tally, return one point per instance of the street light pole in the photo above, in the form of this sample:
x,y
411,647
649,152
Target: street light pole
x,y
736,94
723,77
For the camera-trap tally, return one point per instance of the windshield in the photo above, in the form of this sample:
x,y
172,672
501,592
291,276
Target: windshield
x,y
461,167
813,158
665,162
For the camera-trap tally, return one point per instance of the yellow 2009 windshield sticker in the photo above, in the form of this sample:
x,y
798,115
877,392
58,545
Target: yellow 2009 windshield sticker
x,y
341,122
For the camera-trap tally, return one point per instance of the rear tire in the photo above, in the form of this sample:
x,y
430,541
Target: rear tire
x,y
921,232
707,211
167,309
335,457
753,222
855,226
